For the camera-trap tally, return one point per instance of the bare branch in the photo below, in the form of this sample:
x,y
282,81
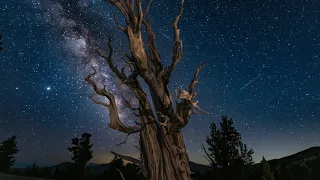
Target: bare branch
x,y
128,104
121,8
108,58
125,140
147,8
117,23
153,50
208,157
140,15
195,79
127,158
100,103
177,51
133,30
115,122
195,105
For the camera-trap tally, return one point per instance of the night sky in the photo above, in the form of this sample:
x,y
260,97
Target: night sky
x,y
263,60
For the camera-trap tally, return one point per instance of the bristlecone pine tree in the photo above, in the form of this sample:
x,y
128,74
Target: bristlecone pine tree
x,y
267,174
163,151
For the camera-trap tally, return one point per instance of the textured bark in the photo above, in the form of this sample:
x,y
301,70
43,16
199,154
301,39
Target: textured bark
x,y
163,152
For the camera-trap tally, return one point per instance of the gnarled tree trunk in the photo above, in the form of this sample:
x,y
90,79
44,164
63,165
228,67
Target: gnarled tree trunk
x,y
163,152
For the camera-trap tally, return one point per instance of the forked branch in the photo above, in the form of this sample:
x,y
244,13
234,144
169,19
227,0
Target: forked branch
x,y
125,140
133,30
195,80
128,104
121,75
187,105
127,158
177,47
115,122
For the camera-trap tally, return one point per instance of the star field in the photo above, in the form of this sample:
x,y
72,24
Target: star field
x,y
262,70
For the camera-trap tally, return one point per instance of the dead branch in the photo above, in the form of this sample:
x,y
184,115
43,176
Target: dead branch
x,y
140,15
153,53
125,140
133,30
108,58
121,8
117,23
187,106
97,102
177,51
207,156
195,105
127,158
122,177
147,8
115,122
128,104
195,80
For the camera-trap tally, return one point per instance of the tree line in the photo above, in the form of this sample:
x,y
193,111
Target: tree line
x,y
228,157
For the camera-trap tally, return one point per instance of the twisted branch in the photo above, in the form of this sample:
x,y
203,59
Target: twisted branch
x,y
127,158
195,80
115,122
177,50
125,140
128,104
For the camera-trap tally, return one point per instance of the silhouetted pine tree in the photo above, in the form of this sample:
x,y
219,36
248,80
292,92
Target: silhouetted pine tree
x,y
0,42
226,153
81,149
8,149
267,174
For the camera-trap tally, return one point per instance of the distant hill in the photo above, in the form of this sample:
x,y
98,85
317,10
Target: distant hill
x,y
302,156
304,165
98,169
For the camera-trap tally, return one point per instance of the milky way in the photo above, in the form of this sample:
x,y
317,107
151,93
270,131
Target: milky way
x,y
262,69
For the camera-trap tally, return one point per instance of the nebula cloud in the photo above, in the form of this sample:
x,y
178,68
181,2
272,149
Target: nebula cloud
x,y
73,24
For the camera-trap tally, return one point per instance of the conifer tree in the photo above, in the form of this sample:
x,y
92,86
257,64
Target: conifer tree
x,y
226,150
267,174
82,153
8,149
0,42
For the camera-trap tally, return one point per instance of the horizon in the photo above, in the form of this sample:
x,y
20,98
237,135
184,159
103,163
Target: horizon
x,y
24,165
256,161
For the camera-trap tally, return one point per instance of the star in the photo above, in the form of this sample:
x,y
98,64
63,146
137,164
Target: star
x,y
48,88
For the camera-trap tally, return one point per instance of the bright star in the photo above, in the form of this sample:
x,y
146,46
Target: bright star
x,y
48,88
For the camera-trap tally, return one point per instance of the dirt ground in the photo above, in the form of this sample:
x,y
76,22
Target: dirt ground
x,y
4,176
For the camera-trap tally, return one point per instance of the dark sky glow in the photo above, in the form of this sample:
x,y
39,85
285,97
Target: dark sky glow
x,y
262,70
